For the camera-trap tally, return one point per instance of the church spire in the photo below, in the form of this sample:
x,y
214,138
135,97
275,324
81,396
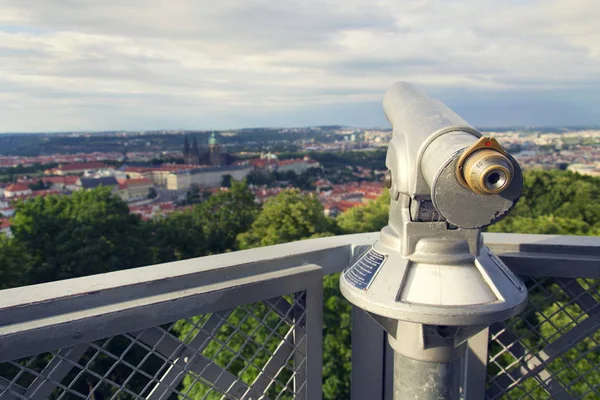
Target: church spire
x,y
213,141
195,150
186,146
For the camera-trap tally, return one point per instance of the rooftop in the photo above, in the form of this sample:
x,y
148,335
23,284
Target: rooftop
x,y
90,183
83,166
17,187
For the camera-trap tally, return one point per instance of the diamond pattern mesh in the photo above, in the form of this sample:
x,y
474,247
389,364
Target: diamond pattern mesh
x,y
255,351
552,349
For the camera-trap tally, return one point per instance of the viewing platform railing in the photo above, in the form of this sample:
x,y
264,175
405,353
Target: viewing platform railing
x,y
249,325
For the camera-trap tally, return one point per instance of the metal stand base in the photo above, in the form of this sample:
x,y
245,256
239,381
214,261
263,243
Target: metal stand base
x,y
420,380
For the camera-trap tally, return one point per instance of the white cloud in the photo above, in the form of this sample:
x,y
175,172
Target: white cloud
x,y
199,61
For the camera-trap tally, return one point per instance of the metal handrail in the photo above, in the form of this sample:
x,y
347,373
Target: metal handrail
x,y
71,314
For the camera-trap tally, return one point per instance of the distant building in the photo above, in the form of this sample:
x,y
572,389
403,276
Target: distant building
x,y
585,169
149,211
7,212
298,165
135,189
267,164
92,183
213,155
334,208
323,184
263,165
20,191
5,227
158,175
17,190
208,177
191,154
77,168
62,183
262,194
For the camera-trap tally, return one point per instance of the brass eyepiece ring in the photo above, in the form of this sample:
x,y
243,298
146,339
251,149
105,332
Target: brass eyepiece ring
x,y
485,168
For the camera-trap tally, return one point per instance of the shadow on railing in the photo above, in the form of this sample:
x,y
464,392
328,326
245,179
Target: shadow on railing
x,y
248,325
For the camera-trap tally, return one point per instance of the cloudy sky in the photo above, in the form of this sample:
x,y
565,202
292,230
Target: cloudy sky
x,y
195,64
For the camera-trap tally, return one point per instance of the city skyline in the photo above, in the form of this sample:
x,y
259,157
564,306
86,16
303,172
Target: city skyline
x,y
132,65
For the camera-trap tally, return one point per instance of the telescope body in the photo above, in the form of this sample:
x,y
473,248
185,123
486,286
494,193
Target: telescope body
x,y
429,280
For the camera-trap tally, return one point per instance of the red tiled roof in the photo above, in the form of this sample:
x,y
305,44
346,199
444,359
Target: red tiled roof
x,y
35,193
17,187
164,167
372,196
323,182
4,224
167,206
54,179
293,161
83,166
256,162
139,170
71,180
342,205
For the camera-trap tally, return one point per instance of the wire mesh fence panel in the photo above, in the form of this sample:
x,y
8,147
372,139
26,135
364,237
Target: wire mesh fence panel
x,y
253,351
552,349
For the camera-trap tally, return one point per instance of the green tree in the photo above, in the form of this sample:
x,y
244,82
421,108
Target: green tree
x,y
89,232
225,215
286,217
337,341
545,224
261,178
292,216
192,196
560,194
178,237
15,263
371,217
555,202
306,214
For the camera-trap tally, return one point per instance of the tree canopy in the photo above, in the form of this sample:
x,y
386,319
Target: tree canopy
x,y
555,202
86,233
15,263
371,217
284,218
225,215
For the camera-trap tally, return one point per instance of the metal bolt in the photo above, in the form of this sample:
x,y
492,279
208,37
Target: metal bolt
x,y
387,178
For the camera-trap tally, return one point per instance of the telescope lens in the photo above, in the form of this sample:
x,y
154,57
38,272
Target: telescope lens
x,y
487,172
495,179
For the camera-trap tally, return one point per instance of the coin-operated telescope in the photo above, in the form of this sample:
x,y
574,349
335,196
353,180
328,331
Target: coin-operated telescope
x,y
429,280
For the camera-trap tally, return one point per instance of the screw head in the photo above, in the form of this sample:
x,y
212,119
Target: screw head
x,y
387,178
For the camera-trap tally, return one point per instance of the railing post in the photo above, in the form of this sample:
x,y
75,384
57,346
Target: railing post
x,y
475,366
314,340
368,357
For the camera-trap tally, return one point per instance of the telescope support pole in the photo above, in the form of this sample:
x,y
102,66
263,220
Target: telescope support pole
x,y
421,380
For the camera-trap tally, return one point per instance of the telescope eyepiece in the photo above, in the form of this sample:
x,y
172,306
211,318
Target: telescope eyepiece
x,y
487,172
484,168
495,179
